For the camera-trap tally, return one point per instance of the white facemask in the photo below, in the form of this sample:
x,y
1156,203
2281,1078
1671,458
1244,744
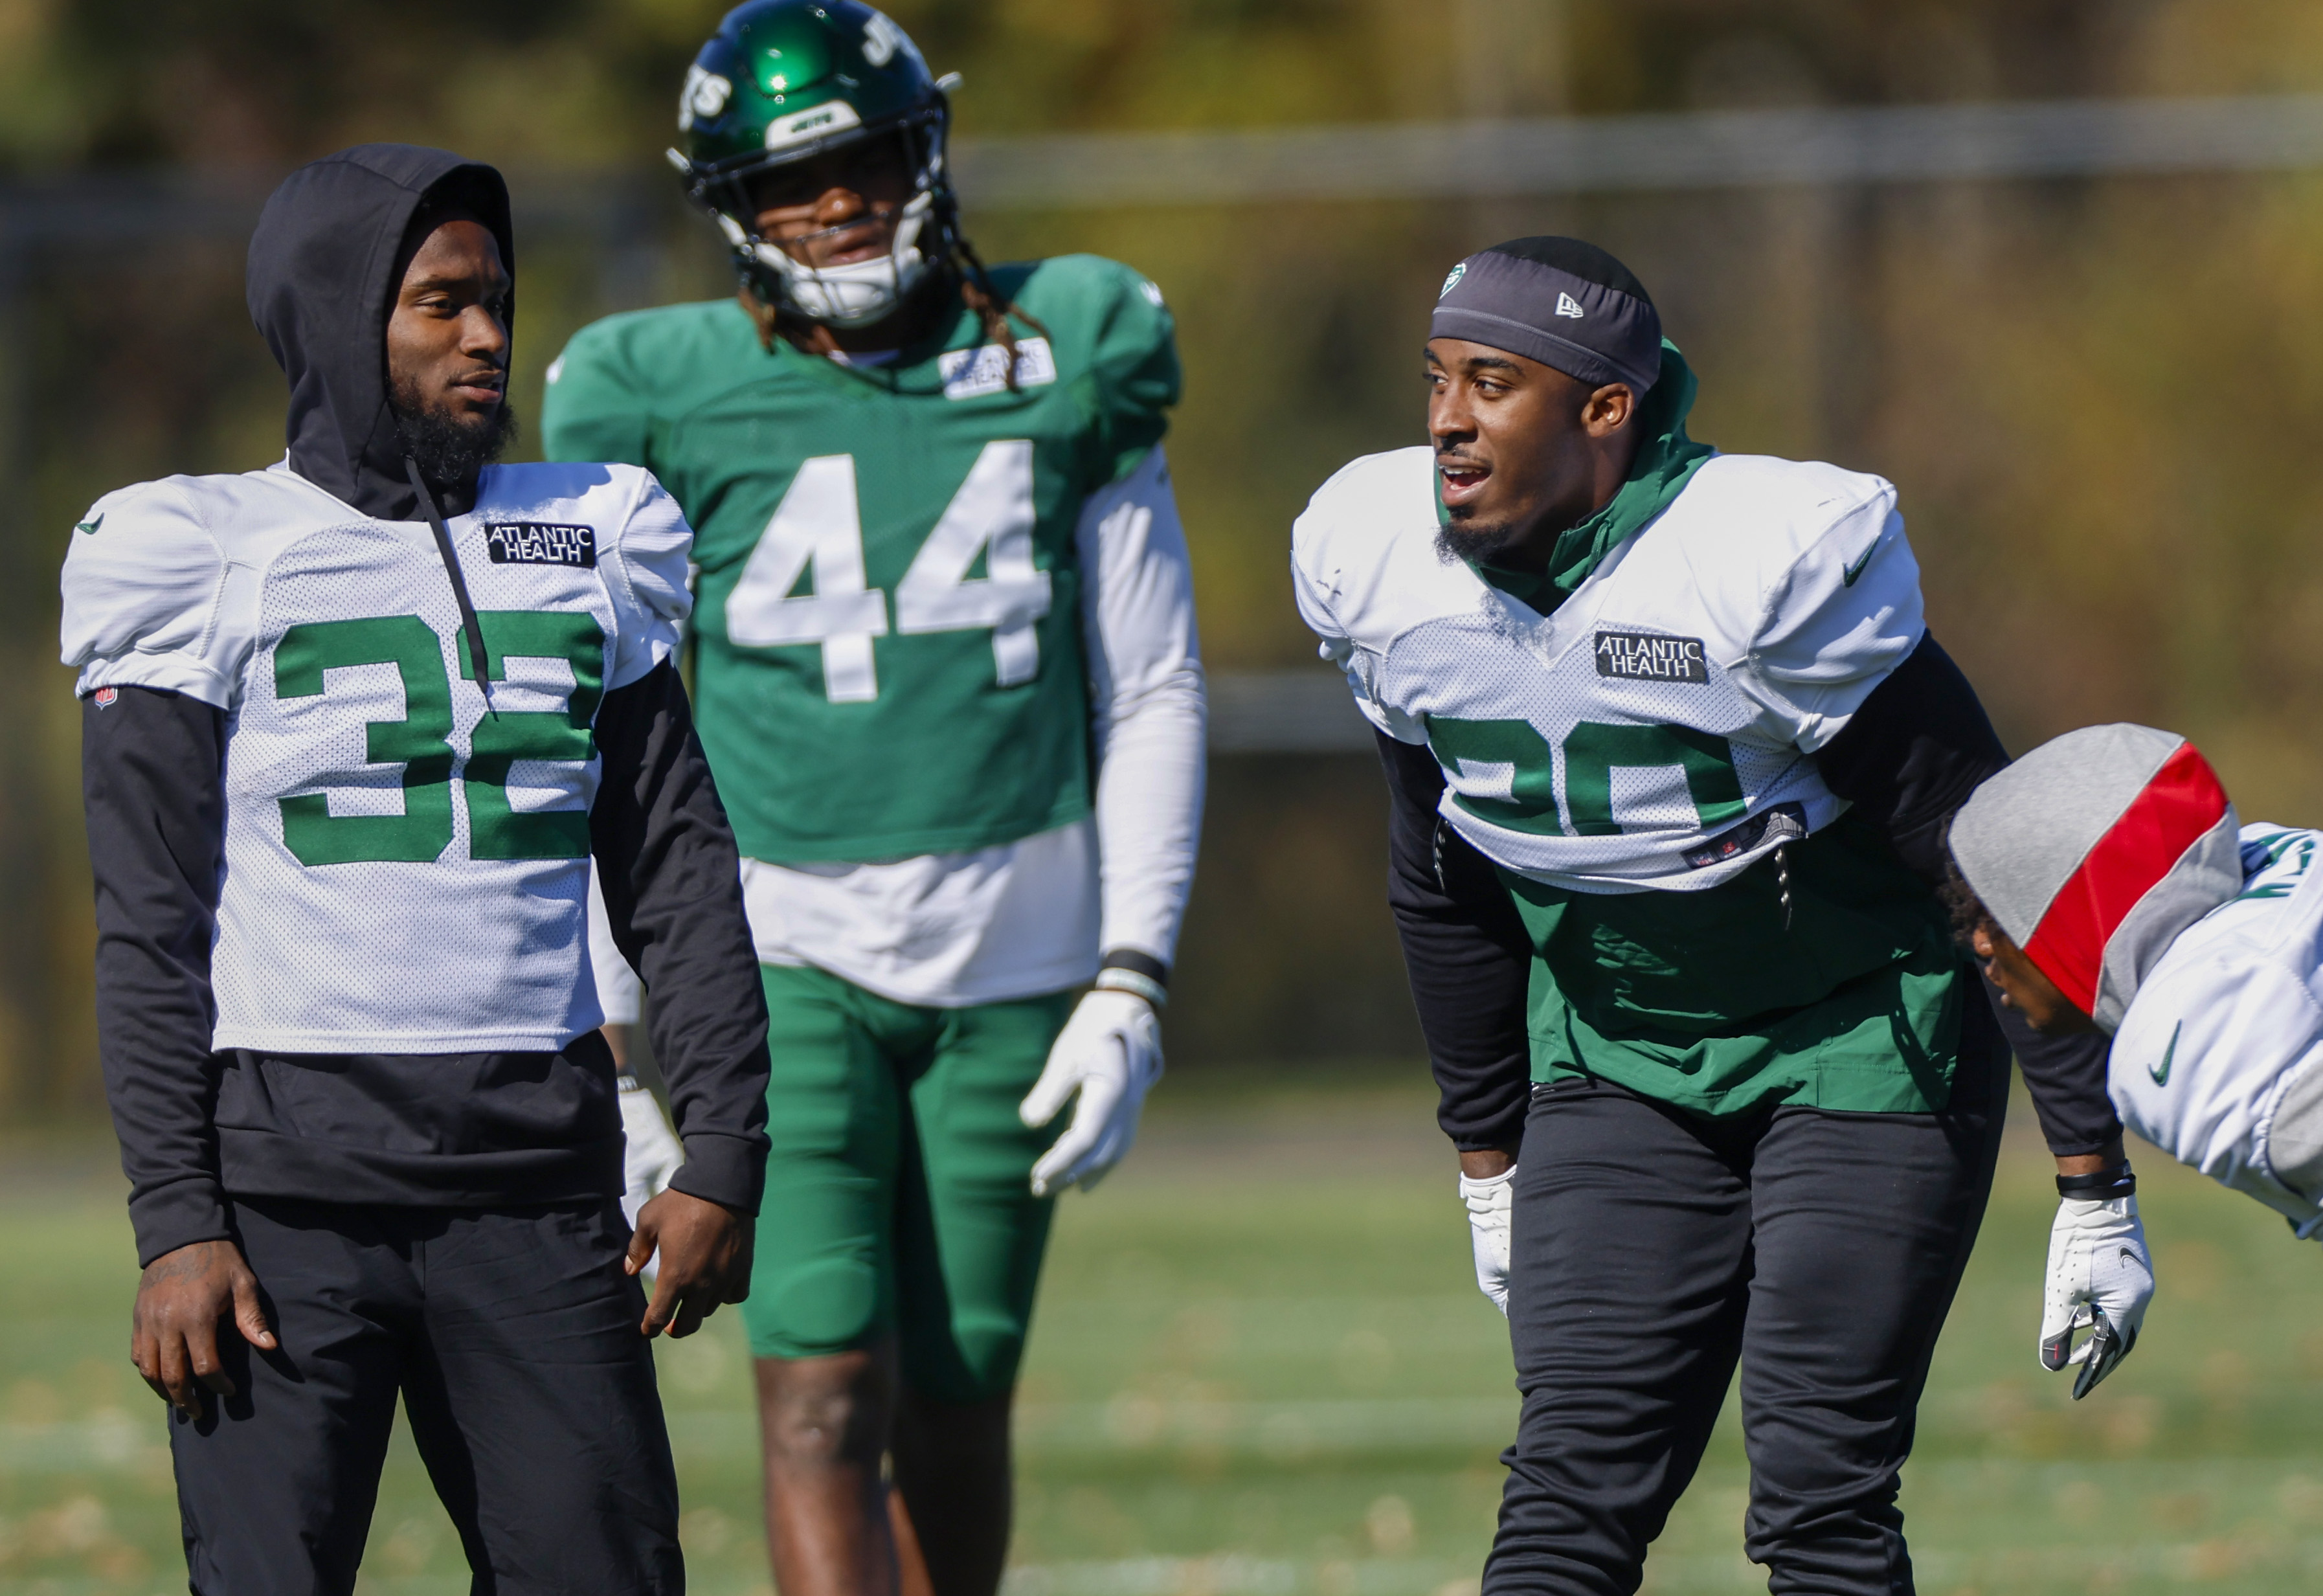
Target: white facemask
x,y
851,296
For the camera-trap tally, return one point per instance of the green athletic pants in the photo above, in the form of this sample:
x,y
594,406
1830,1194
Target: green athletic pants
x,y
897,1196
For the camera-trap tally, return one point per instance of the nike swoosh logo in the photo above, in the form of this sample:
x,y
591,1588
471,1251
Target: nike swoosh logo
x,y
90,527
2160,1072
1847,576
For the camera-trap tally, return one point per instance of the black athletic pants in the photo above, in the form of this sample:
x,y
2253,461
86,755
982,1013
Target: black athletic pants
x,y
512,1336
1653,1249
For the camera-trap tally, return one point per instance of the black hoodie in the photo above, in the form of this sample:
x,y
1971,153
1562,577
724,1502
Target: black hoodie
x,y
324,264
473,1129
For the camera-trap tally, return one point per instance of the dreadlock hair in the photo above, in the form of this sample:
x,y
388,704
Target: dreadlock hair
x,y
975,290
995,310
1958,898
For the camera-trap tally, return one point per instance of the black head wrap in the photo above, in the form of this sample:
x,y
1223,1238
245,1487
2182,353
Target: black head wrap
x,y
1560,301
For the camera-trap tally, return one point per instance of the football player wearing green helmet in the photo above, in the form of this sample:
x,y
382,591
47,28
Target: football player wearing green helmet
x,y
948,681
782,85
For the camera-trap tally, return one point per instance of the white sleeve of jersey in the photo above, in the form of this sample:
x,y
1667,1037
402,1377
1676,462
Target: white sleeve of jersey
x,y
1148,714
619,993
144,583
2225,1015
1315,593
1834,622
648,582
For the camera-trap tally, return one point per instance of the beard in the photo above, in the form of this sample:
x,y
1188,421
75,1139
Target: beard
x,y
1480,543
450,451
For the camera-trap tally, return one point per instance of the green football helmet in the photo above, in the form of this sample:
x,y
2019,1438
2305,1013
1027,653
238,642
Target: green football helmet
x,y
785,81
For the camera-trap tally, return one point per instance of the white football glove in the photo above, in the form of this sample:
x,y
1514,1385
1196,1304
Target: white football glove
x,y
1110,1053
654,1151
2100,1279
1489,1202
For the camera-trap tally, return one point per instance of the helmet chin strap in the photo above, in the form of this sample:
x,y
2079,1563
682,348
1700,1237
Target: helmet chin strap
x,y
855,294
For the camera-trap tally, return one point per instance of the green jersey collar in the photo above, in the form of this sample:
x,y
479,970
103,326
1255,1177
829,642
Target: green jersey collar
x,y
1665,462
914,369
894,375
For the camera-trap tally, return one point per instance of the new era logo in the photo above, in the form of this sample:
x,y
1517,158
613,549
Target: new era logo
x,y
541,543
1641,656
1567,305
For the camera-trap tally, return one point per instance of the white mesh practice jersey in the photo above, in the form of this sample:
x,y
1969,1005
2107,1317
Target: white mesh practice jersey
x,y
1658,729
406,868
2227,1019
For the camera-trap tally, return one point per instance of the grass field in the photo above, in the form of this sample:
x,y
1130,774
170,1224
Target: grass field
x,y
1261,1368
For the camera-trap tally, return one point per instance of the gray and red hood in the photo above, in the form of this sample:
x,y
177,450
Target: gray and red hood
x,y
2094,851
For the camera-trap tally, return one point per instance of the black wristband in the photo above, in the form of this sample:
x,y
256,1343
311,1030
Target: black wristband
x,y
1136,963
2099,1186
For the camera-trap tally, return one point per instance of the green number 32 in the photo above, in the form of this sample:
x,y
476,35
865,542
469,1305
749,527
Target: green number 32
x,y
1592,752
421,742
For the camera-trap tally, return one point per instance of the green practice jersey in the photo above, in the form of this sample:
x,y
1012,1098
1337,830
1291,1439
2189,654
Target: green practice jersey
x,y
890,659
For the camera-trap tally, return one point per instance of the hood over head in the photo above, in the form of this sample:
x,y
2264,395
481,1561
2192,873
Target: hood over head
x,y
2094,850
324,264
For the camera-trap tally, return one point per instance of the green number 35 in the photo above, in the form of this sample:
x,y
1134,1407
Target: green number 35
x,y
421,742
1592,752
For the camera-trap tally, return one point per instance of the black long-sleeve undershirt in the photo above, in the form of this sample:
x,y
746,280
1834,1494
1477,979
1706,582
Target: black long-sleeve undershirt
x,y
468,1130
1908,759
1465,953
150,765
672,878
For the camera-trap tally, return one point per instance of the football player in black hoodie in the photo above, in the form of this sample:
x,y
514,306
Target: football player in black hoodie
x,y
354,727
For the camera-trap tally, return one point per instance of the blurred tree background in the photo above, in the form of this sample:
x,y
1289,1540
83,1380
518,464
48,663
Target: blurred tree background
x,y
2099,397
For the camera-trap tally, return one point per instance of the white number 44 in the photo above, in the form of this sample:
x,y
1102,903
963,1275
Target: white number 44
x,y
817,532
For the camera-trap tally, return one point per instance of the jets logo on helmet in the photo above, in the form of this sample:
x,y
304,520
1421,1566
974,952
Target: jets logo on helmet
x,y
704,97
882,38
782,81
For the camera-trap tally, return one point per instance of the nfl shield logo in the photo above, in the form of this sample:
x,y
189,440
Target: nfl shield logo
x,y
105,696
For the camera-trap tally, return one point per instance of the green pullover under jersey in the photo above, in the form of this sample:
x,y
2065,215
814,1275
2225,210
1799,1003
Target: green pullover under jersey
x,y
1631,738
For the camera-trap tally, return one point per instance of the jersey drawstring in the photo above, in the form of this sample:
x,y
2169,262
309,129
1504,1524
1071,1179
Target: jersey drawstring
x,y
469,624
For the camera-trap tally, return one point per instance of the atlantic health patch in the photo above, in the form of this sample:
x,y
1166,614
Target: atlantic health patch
x,y
541,543
1642,656
972,373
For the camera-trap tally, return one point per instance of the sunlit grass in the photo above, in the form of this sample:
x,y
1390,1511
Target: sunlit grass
x,y
1261,1368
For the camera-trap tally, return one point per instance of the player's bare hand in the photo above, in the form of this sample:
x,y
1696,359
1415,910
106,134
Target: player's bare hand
x,y
173,1330
706,1260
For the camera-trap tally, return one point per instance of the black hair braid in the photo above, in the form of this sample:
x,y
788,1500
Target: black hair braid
x,y
991,308
1968,913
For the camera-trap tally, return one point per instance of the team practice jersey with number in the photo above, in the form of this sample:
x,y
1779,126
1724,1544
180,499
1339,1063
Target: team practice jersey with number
x,y
2227,1020
1631,740
1656,730
929,604
406,863
889,658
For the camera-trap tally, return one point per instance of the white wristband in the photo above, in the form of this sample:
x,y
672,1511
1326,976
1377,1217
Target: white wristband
x,y
1130,981
1475,1189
